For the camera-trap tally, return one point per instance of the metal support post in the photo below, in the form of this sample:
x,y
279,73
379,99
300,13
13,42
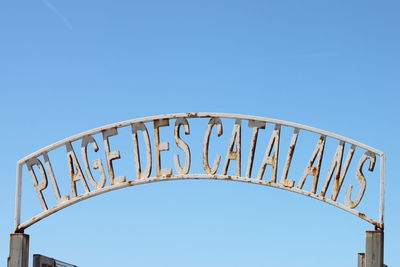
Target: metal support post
x,y
19,250
361,259
374,249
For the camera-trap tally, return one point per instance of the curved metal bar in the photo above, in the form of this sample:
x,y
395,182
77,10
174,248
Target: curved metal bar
x,y
198,115
192,177
20,227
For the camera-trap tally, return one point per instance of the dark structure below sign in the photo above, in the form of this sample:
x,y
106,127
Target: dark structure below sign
x,y
43,261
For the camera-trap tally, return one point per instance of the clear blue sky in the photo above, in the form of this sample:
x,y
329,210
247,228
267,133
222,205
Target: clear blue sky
x,y
70,66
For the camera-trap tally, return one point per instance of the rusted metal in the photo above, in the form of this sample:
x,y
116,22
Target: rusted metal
x,y
53,180
234,155
82,176
75,171
193,177
361,179
111,156
273,145
206,166
182,145
312,170
256,125
39,186
292,146
97,164
160,146
382,190
139,126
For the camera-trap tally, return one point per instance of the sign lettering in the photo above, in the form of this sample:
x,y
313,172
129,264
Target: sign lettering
x,y
92,172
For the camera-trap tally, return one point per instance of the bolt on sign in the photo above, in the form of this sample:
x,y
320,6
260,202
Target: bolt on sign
x,y
279,154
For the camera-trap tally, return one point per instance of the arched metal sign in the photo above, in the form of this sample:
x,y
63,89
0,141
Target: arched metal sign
x,y
251,141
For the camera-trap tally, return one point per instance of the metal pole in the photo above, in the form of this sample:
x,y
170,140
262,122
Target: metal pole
x,y
18,194
19,250
374,249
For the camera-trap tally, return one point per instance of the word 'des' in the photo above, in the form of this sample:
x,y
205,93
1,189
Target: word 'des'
x,y
250,149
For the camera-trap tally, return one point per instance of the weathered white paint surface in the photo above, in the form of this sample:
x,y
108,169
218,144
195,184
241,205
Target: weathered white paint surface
x,y
214,167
